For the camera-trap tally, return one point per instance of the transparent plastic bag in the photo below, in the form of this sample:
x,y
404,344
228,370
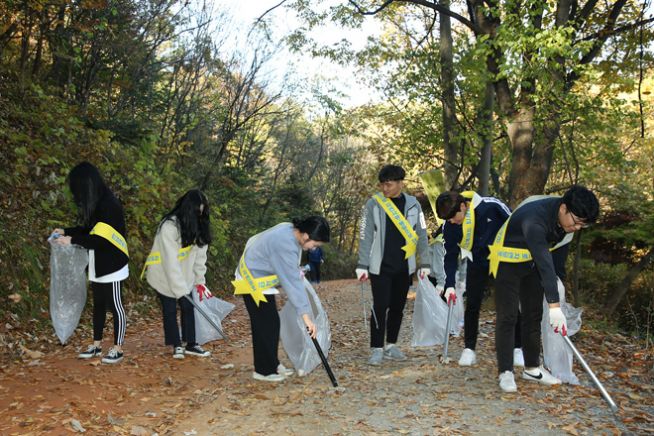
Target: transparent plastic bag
x,y
458,311
217,310
295,340
557,355
429,316
67,287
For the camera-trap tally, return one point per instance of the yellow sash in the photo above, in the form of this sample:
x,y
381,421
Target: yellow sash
x,y
500,253
155,258
250,285
107,232
468,228
401,223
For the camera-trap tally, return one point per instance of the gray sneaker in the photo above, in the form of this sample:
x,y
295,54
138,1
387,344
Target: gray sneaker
x,y
376,357
394,353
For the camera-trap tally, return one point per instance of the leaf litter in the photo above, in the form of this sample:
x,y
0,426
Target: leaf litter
x,y
152,393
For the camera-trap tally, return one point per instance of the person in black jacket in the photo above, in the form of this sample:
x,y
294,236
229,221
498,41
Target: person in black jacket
x,y
102,232
527,255
471,222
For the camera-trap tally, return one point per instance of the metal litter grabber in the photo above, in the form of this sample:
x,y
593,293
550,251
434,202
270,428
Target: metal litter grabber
x,y
207,317
450,307
372,309
325,364
605,394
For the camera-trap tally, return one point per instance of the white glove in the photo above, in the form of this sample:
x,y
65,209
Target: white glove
x,y
423,272
450,293
362,274
440,289
557,320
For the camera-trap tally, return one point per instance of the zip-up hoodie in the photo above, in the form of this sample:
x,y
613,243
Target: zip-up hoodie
x,y
490,215
172,277
373,231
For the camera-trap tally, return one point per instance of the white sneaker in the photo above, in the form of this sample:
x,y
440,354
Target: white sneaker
x,y
540,375
269,378
468,358
286,372
393,353
178,353
518,358
507,382
376,356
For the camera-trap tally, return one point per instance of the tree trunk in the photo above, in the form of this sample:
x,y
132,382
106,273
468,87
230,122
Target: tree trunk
x,y
625,284
450,136
521,135
575,270
61,51
486,122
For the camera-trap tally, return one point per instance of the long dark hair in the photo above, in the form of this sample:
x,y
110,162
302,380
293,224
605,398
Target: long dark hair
x,y
88,187
315,226
194,226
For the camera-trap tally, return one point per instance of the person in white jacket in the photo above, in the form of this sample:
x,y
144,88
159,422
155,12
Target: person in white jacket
x,y
177,264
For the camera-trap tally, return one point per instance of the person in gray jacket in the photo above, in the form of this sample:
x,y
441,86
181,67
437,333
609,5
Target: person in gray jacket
x,y
392,230
177,264
272,259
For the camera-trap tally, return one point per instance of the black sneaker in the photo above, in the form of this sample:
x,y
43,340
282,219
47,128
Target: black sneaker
x,y
196,350
91,351
113,356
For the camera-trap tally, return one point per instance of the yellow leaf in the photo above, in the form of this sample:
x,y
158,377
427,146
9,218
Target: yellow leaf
x,y
15,298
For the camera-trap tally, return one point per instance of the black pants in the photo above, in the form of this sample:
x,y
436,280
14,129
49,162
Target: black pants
x,y
518,286
476,282
108,296
171,330
264,321
389,293
315,271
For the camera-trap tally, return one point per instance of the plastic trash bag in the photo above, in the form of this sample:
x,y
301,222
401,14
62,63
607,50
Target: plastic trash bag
x,y
216,308
429,316
67,287
557,355
458,311
296,341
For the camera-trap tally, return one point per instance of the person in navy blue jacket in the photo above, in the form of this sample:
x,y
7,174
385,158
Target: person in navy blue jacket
x,y
471,222
316,258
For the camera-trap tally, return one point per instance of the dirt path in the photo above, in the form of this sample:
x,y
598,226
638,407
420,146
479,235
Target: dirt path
x,y
152,393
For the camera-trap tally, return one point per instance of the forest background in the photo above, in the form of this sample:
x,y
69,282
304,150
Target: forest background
x,y
509,98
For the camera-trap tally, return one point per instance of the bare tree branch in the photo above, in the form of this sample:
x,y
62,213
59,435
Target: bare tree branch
x,y
425,3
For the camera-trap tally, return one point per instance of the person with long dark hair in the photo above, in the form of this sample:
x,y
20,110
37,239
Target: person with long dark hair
x,y
272,259
101,231
177,264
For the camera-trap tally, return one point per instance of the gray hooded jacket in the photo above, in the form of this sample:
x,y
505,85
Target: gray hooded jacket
x,y
372,235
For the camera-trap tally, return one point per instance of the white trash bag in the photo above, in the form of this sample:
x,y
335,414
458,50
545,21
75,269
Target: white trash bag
x,y
296,341
217,310
429,316
67,287
557,355
458,311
